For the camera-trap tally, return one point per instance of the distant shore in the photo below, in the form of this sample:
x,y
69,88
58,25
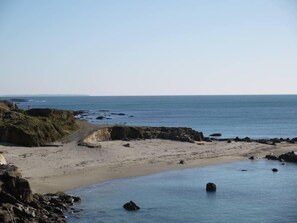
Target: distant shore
x,y
69,166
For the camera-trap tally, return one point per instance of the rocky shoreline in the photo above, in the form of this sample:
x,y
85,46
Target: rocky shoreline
x,y
19,204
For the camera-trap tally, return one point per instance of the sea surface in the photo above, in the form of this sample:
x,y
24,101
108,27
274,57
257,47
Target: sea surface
x,y
253,116
254,196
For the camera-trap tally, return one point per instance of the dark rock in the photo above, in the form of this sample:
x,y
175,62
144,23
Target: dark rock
x,y
275,140
252,158
120,114
229,141
89,145
271,157
181,162
211,187
289,157
274,170
131,206
100,118
243,170
216,135
127,145
18,204
126,133
247,139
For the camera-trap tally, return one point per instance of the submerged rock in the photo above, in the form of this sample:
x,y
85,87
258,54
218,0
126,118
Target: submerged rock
x,y
274,170
19,204
131,206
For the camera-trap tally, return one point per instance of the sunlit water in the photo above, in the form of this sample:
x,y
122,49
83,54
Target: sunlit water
x,y
256,195
252,116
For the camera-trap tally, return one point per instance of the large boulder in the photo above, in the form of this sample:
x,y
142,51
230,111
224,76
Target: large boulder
x,y
18,204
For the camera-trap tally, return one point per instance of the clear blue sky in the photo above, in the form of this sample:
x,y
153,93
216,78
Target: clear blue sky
x,y
155,47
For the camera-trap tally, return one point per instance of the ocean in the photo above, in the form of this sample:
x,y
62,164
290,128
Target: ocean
x,y
256,195
252,116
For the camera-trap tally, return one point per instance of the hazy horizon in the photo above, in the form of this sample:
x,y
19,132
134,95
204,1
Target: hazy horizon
x,y
126,48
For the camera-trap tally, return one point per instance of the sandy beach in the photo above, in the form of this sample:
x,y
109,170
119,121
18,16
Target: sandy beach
x,y
51,169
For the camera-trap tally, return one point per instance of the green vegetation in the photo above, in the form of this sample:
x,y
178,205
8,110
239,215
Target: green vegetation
x,y
34,127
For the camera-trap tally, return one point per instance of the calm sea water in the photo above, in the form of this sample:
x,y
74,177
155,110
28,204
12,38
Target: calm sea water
x,y
255,196
252,116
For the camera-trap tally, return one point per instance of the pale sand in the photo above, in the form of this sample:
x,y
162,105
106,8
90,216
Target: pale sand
x,y
51,169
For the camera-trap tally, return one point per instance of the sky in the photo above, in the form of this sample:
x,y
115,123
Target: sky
x,y
156,47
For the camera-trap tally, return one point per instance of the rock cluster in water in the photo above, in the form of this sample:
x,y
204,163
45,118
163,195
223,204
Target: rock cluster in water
x,y
34,127
19,204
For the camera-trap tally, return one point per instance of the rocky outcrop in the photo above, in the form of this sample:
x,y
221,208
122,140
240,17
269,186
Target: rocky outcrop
x,y
34,127
18,204
130,133
286,157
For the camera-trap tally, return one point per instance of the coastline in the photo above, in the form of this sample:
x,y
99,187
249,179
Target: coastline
x,y
69,166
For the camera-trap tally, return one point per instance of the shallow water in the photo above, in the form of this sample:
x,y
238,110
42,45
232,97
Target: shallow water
x,y
257,195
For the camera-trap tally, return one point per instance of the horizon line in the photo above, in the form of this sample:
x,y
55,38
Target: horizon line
x,y
145,95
